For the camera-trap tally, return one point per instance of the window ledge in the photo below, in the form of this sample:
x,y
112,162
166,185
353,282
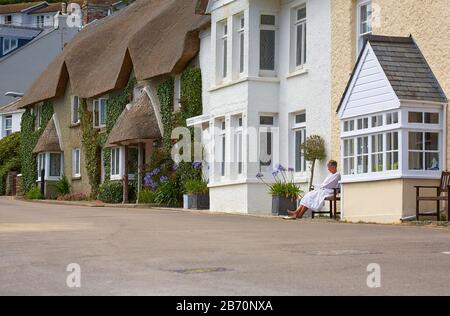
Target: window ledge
x,y
373,178
76,178
243,79
299,72
75,125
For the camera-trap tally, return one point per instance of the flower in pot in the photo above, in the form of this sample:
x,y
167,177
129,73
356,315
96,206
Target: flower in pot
x,y
198,192
283,189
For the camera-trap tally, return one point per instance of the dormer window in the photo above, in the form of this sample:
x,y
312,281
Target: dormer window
x,y
364,22
267,42
9,44
8,19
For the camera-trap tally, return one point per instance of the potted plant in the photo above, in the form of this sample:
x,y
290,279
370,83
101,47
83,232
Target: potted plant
x,y
284,191
198,193
313,149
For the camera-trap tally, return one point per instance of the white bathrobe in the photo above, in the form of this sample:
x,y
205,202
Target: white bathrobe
x,y
315,200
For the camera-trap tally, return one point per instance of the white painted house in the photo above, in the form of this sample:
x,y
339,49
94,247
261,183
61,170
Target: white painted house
x,y
393,117
268,77
10,118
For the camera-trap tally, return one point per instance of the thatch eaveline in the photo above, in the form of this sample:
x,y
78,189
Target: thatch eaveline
x,y
151,37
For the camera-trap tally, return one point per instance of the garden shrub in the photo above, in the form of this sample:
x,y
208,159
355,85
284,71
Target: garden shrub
x,y
62,186
9,158
34,194
111,192
169,193
147,196
196,187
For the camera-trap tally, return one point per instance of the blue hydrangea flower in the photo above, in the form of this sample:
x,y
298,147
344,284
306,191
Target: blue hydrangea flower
x,y
163,179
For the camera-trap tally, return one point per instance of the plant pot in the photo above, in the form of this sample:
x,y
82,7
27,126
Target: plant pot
x,y
281,205
186,202
199,201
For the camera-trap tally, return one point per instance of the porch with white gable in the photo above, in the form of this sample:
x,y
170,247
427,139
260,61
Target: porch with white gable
x,y
393,123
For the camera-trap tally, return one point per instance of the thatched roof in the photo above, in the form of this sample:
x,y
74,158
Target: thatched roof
x,y
153,37
49,140
137,123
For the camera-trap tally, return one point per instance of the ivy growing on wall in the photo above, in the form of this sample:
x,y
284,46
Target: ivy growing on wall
x,y
28,141
166,97
92,151
94,140
191,93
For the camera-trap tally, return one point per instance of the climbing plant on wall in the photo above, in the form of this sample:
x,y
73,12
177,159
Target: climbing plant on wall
x,y
28,141
94,140
166,97
191,93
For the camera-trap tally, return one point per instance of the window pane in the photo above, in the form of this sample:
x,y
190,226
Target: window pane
x,y
377,121
103,104
392,161
267,50
265,149
299,139
363,145
377,143
415,141
392,141
300,118
268,20
55,165
415,161
415,117
363,163
377,163
299,48
225,58
431,141
301,14
223,155
432,118
266,120
349,147
432,161
241,53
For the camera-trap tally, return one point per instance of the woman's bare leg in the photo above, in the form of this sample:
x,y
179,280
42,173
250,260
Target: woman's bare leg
x,y
298,211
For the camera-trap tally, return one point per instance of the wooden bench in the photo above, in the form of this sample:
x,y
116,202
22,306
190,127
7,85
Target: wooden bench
x,y
333,199
443,188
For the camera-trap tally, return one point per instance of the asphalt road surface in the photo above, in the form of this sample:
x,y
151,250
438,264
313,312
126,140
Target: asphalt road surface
x,y
163,252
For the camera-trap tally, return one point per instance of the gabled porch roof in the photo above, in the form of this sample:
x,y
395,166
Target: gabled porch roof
x,y
50,140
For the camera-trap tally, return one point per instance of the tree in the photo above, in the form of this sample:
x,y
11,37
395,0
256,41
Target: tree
x,y
313,150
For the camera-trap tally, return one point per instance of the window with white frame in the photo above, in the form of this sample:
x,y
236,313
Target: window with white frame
x,y
241,38
223,147
76,163
99,111
115,162
267,43
423,151
364,22
75,110
9,44
37,111
55,164
377,149
299,135
40,21
41,165
266,143
239,149
8,19
300,36
222,29
7,130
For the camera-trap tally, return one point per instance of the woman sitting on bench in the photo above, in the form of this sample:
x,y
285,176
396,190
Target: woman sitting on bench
x,y
315,200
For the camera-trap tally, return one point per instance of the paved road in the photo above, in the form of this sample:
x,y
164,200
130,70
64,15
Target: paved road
x,y
160,252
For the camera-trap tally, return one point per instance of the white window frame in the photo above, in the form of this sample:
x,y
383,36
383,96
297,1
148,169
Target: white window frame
x,y
44,158
75,108
274,28
116,163
239,145
7,130
223,147
37,111
302,46
266,128
359,35
241,44
298,127
223,52
10,41
402,127
76,163
40,21
96,110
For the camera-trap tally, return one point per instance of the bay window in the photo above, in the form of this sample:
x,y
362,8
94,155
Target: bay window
x,y
408,142
51,164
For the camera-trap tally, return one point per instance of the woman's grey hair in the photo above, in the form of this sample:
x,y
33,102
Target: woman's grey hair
x,y
332,163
